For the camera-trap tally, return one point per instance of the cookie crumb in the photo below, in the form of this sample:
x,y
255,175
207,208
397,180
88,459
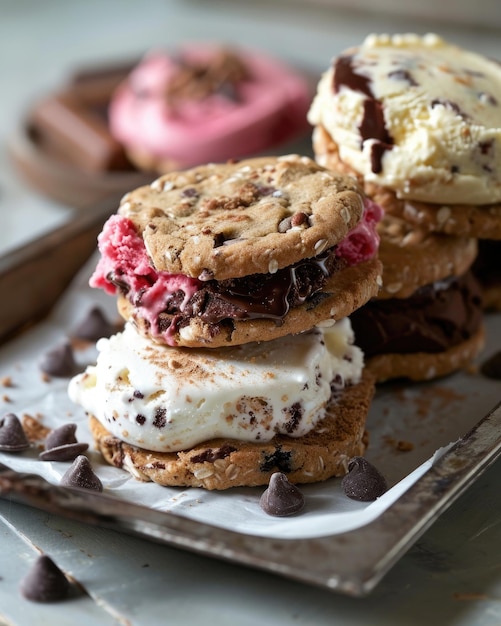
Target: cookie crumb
x,y
399,444
469,595
404,446
34,429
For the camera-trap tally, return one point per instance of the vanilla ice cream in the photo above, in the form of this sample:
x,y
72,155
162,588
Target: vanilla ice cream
x,y
167,399
417,115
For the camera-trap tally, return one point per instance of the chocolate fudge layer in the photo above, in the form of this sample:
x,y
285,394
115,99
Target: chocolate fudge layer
x,y
435,318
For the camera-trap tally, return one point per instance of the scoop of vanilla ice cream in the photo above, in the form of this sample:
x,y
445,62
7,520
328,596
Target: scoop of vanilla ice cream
x,y
417,115
167,399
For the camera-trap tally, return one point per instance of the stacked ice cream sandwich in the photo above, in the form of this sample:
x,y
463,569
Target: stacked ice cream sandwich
x,y
237,358
418,122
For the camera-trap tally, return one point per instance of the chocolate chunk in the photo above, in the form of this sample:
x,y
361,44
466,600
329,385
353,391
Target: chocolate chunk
x,y
448,104
45,582
59,361
80,474
213,454
491,368
78,133
363,481
12,435
294,413
93,86
61,444
282,498
93,326
280,460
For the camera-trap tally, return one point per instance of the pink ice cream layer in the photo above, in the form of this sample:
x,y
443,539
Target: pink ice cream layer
x,y
270,108
362,242
125,266
125,261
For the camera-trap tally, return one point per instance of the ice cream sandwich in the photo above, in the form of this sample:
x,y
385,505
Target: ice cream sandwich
x,y
225,254
418,121
237,358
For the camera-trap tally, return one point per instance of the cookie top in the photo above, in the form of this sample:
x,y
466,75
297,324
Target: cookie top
x,y
464,220
256,216
413,257
418,115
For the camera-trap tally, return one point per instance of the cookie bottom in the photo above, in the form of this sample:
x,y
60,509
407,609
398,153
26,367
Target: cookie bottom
x,y
413,257
344,292
421,366
224,463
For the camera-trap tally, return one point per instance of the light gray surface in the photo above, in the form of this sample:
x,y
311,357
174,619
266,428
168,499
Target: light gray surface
x,y
451,576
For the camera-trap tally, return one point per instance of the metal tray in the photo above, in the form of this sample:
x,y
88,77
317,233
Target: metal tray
x,y
408,423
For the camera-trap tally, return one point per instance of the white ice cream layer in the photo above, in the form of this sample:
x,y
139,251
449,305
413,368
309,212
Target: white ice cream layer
x,y
442,108
167,399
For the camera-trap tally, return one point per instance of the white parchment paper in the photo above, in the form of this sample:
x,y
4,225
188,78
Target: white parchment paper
x,y
407,425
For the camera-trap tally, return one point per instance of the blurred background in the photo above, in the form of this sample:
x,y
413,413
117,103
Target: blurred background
x,y
42,43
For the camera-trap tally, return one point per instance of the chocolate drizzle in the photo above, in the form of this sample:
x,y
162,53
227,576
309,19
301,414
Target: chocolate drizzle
x,y
262,296
373,124
346,75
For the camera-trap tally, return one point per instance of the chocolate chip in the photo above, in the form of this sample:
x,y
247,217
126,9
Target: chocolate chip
x,y
80,474
160,419
403,75
281,498
59,361
266,190
363,481
61,444
190,192
93,326
12,435
299,218
492,367
450,105
294,413
45,582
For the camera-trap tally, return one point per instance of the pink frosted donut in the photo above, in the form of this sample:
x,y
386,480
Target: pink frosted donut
x,y
207,104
